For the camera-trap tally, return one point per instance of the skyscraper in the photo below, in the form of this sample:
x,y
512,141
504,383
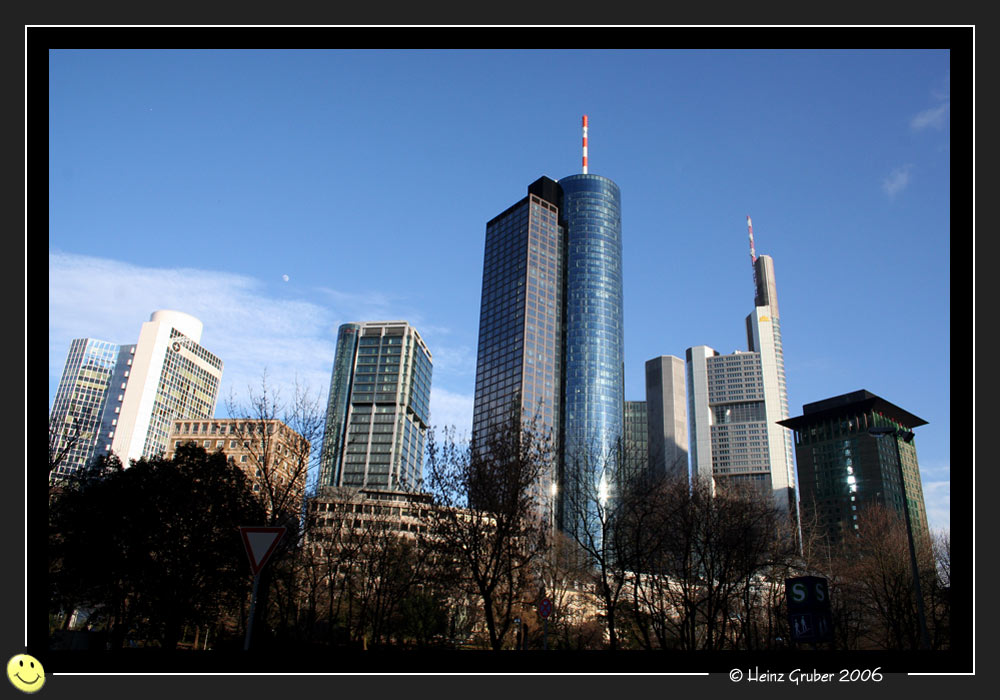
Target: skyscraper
x,y
636,452
843,469
79,405
551,329
735,402
378,410
666,411
166,375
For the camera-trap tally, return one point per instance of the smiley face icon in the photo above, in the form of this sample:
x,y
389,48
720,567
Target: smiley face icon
x,y
26,673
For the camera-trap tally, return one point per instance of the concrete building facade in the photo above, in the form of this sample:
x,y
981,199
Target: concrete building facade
x,y
736,401
168,375
666,412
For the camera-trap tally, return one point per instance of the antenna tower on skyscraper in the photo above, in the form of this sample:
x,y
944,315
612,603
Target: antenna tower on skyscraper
x,y
584,144
753,253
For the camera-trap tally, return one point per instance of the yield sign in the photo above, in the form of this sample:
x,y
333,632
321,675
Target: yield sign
x,y
260,543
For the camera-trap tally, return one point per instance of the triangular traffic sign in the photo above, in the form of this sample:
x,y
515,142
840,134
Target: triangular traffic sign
x,y
260,543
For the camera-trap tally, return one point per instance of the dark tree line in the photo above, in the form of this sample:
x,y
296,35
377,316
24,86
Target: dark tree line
x,y
153,548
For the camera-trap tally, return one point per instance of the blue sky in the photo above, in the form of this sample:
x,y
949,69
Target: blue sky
x,y
197,180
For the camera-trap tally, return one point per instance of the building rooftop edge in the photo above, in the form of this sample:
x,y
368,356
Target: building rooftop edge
x,y
854,401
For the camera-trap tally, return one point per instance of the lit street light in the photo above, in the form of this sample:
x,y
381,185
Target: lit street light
x,y
907,435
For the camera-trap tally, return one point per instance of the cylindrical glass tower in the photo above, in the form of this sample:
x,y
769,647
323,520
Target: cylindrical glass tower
x,y
593,420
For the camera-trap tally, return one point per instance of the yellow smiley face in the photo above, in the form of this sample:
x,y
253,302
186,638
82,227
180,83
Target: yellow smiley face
x,y
26,673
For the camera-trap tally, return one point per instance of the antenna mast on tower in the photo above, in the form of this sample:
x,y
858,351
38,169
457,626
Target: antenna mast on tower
x,y
584,144
753,254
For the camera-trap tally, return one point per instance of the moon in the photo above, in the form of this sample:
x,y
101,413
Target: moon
x,y
284,277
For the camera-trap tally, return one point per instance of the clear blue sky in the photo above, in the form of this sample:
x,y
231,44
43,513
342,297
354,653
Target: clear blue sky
x,y
196,180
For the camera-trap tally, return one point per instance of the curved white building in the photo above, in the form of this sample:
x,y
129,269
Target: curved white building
x,y
168,376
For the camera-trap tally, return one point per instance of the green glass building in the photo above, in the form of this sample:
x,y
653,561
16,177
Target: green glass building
x,y
843,468
379,408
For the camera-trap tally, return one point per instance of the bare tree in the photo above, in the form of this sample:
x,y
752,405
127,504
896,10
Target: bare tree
x,y
566,578
489,516
705,565
64,437
877,563
279,441
608,514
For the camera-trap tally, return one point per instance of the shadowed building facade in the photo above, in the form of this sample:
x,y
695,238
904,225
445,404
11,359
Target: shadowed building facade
x,y
843,468
666,413
378,410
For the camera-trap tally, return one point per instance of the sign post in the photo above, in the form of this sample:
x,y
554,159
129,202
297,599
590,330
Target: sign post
x,y
260,543
545,609
809,618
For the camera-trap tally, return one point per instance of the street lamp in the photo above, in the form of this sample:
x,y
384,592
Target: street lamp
x,y
880,431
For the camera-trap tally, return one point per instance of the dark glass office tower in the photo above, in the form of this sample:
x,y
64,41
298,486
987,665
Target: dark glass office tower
x,y
551,332
378,410
844,469
519,364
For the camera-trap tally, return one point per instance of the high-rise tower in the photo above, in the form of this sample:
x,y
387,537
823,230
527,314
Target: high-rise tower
x,y
378,411
79,405
121,398
164,376
551,329
845,469
735,402
667,417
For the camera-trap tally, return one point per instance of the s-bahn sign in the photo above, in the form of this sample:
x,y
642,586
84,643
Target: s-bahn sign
x,y
809,618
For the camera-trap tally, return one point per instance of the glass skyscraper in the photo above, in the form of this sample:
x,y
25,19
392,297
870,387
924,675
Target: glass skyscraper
x,y
843,469
551,332
79,405
379,408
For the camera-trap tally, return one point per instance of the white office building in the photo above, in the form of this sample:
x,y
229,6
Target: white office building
x,y
735,402
165,376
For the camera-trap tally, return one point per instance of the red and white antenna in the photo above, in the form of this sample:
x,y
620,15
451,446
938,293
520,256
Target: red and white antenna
x,y
584,144
753,253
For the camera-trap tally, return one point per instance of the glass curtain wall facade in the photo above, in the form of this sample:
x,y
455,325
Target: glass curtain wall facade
x,y
551,332
519,359
79,405
593,424
636,441
338,403
843,469
378,409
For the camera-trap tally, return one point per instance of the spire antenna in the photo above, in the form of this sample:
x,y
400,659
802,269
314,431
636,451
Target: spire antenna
x,y
753,253
584,144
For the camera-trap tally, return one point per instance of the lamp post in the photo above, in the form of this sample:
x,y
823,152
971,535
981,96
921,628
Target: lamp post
x,y
897,433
